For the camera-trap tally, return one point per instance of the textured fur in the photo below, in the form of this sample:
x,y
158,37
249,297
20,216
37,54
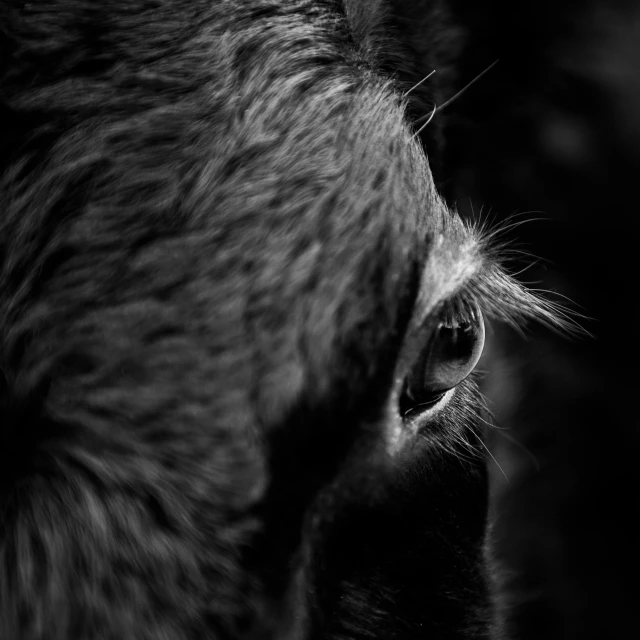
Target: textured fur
x,y
216,234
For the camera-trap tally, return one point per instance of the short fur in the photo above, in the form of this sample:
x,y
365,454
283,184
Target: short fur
x,y
216,231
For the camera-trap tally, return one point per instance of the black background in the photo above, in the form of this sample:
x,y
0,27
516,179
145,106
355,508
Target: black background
x,y
552,133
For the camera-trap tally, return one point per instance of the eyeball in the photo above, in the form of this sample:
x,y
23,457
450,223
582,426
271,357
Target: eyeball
x,y
451,354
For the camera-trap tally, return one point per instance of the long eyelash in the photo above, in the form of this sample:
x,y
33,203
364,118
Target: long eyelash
x,y
461,307
499,295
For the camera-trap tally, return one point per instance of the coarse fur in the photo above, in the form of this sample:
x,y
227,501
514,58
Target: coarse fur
x,y
220,249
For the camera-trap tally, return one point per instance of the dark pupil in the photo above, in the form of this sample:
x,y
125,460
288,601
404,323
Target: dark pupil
x,y
450,356
452,350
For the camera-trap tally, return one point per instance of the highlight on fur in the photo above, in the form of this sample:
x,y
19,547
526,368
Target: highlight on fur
x,y
501,296
220,245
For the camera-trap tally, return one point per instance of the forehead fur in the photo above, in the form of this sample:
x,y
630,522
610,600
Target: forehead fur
x,y
343,208
283,181
214,224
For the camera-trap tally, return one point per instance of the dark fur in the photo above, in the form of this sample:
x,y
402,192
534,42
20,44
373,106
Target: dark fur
x,y
214,227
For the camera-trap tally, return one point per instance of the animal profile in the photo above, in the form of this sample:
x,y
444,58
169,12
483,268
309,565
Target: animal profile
x,y
238,325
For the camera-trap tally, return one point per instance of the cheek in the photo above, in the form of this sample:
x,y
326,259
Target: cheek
x,y
410,523
429,473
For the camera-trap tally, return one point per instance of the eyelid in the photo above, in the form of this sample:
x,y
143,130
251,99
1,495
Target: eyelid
x,y
455,259
419,419
450,310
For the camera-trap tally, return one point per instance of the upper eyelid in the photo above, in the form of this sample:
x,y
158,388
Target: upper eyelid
x,y
458,300
462,302
454,261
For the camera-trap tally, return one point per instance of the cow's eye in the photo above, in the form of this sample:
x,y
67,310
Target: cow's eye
x,y
451,354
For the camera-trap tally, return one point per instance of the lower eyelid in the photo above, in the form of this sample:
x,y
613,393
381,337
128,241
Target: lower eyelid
x,y
417,422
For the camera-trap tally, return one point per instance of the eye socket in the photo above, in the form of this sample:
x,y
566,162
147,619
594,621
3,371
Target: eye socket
x,y
450,356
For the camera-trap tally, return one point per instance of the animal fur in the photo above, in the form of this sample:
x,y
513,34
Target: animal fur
x,y
216,231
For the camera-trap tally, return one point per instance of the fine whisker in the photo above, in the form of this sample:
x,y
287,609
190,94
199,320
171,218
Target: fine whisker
x,y
523,448
419,131
456,95
493,458
415,86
